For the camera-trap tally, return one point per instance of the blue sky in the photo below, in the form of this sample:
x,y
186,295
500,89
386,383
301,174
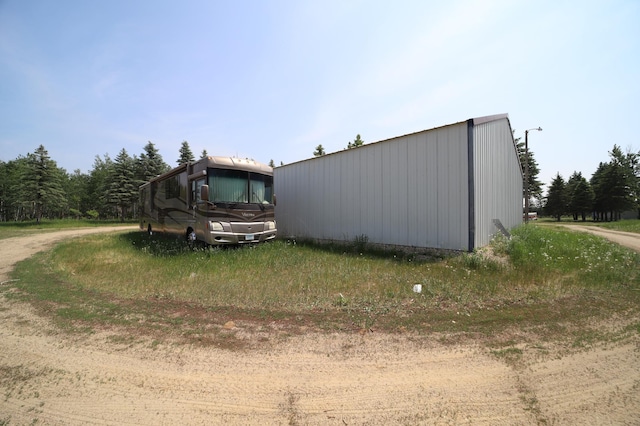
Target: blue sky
x,y
273,79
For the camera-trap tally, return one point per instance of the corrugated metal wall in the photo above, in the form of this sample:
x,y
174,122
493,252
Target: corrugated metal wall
x,y
410,191
407,191
497,179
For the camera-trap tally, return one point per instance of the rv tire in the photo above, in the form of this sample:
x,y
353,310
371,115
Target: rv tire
x,y
191,237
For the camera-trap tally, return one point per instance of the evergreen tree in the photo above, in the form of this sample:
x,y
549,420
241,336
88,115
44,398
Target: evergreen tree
x,y
11,206
122,187
535,186
75,186
150,164
356,142
615,185
3,191
556,198
42,185
98,185
272,164
627,188
186,156
204,154
600,192
319,151
6,192
580,196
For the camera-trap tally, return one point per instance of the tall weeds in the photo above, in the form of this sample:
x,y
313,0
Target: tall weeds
x,y
536,265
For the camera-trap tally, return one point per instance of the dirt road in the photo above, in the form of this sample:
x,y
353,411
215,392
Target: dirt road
x,y
627,239
47,377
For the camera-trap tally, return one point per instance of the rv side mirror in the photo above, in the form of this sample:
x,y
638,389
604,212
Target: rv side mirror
x,y
204,193
274,199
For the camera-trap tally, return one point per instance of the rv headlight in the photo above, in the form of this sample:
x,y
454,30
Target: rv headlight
x,y
215,226
270,226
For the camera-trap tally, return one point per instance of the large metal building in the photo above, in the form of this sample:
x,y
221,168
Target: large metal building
x,y
442,188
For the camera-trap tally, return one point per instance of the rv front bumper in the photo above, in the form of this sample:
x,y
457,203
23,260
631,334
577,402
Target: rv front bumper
x,y
241,233
230,238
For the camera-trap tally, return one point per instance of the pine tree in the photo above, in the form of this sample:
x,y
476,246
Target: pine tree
x,y
186,156
535,186
319,152
150,164
122,186
75,188
615,185
580,196
42,184
204,154
11,206
356,142
98,186
556,198
625,170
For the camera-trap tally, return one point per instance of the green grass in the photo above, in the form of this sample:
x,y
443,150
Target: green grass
x,y
629,225
16,229
540,278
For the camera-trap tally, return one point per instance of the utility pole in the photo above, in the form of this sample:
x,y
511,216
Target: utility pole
x,y
526,173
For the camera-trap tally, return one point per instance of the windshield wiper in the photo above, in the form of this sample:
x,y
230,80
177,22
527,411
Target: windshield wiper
x,y
260,202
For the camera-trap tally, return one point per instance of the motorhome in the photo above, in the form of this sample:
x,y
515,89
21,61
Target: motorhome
x,y
216,200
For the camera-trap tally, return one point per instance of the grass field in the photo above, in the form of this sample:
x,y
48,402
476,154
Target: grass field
x,y
541,279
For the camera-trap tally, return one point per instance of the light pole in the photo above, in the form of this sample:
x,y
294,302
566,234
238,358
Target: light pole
x,y
526,173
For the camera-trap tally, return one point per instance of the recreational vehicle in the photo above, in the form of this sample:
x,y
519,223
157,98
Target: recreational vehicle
x,y
216,200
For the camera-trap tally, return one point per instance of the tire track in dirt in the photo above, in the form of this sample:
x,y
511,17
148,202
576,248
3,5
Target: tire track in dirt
x,y
587,387
145,386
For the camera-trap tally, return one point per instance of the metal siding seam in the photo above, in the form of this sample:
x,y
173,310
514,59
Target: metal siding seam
x,y
470,185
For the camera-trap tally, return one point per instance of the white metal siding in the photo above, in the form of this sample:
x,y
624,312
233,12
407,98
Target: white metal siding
x,y
497,179
407,191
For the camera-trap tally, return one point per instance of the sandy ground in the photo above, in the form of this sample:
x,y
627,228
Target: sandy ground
x,y
47,377
627,239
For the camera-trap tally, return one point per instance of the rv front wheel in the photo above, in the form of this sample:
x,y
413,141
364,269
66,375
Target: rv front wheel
x,y
191,237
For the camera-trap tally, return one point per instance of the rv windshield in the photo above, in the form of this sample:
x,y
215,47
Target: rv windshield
x,y
238,186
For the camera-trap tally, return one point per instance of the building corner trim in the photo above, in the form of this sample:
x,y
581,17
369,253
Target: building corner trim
x,y
471,187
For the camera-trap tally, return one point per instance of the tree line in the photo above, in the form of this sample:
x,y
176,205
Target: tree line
x,y
357,142
33,187
614,188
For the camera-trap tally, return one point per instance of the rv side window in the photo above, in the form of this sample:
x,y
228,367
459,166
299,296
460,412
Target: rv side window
x,y
195,190
172,188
